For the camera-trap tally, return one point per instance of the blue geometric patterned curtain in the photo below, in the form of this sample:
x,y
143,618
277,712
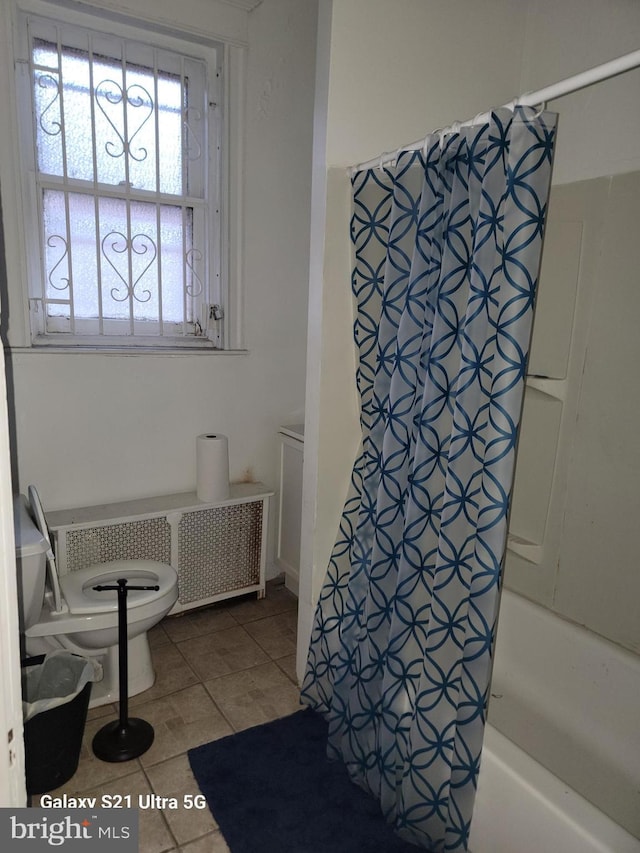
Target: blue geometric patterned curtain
x,y
447,247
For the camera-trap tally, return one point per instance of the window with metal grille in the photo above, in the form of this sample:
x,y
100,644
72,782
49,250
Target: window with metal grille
x,y
124,141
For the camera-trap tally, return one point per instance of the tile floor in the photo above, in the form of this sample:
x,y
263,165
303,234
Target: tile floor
x,y
218,670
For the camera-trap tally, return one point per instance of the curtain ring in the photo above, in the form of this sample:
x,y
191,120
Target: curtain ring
x,y
541,106
427,141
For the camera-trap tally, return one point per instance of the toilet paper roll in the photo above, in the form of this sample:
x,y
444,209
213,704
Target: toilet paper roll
x,y
212,464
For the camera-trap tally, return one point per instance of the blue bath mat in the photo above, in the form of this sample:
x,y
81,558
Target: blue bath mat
x,y
272,789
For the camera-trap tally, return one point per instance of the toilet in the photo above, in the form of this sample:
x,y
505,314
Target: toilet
x,y
67,612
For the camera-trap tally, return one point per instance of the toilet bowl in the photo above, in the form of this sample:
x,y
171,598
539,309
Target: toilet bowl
x,y
67,612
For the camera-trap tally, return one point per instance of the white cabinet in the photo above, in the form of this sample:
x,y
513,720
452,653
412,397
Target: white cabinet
x,y
291,462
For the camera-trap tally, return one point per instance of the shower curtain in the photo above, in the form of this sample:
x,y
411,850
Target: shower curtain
x,y
447,246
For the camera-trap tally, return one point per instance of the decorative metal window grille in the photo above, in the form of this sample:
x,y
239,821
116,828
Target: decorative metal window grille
x,y
123,193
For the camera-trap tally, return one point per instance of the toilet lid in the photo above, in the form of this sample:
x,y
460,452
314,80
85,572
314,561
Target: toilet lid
x,y
82,598
52,570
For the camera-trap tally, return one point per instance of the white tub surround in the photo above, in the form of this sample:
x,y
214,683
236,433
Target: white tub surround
x,y
523,808
572,701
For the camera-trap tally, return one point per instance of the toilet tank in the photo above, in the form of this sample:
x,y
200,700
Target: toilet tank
x,y
31,563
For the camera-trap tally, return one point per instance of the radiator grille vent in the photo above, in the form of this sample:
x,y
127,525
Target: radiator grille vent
x,y
219,550
147,539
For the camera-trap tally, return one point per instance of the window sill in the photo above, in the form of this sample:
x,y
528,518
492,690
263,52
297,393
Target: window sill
x,y
52,349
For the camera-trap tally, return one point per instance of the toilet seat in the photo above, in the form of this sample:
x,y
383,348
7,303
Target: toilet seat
x,y
75,616
82,599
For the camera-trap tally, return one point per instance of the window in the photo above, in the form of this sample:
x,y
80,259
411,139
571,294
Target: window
x,y
123,140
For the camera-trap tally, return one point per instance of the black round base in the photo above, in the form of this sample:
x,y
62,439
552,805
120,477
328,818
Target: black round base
x,y
122,742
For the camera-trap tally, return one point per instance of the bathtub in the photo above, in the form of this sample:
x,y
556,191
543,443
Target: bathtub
x,y
572,700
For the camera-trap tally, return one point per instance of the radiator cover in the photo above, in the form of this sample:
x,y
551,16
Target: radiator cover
x,y
218,550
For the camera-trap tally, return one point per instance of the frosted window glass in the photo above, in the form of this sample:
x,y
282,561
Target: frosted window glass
x,y
78,131
83,255
129,107
47,105
128,260
56,257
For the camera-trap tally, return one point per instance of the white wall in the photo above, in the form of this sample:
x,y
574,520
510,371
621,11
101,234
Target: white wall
x,y
91,428
401,69
396,70
599,127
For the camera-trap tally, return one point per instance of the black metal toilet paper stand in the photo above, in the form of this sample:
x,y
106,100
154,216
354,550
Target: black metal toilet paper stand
x,y
127,737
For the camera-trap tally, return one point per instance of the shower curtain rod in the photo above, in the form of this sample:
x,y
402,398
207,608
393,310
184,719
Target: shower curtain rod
x,y
529,99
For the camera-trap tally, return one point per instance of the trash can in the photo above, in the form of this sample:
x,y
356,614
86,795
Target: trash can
x,y
56,689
